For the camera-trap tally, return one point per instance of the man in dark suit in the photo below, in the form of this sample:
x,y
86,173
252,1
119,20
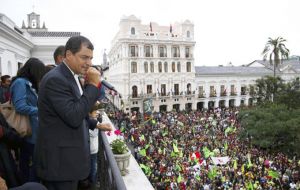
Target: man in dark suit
x,y
62,149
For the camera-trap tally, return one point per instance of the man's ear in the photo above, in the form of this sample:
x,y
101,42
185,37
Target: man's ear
x,y
68,54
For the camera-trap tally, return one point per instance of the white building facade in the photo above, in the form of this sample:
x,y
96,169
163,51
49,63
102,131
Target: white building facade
x,y
17,45
152,63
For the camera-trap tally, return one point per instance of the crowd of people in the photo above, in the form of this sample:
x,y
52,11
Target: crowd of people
x,y
202,150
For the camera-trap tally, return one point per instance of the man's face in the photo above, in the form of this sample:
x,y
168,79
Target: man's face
x,y
7,82
80,61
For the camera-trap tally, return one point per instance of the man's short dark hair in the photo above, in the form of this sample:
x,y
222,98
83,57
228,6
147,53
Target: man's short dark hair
x,y
74,44
60,50
4,77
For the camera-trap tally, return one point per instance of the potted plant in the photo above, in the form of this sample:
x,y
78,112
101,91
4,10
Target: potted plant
x,y
121,152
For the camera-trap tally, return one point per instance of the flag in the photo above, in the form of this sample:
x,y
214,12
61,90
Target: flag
x,y
250,186
179,178
147,170
142,152
175,148
273,174
249,165
225,146
142,138
212,173
150,27
235,164
220,160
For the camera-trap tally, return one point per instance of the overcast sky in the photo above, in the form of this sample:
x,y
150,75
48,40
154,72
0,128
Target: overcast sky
x,y
225,30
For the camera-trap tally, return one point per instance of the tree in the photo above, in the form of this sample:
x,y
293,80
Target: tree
x,y
267,88
290,95
272,127
275,49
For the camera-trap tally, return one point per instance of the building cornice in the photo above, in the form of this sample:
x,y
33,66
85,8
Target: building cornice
x,y
13,35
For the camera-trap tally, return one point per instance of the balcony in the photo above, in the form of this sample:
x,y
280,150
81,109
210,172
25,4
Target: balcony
x,y
212,94
233,93
223,94
109,176
201,95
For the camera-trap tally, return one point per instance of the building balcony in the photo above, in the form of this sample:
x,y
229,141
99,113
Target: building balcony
x,y
201,95
223,94
109,176
233,93
213,95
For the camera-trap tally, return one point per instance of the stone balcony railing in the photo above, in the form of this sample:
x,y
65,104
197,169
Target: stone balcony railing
x,y
109,174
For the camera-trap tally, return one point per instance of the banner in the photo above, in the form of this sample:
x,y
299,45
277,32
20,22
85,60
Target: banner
x,y
220,160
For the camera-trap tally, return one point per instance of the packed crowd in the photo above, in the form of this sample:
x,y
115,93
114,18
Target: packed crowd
x,y
202,150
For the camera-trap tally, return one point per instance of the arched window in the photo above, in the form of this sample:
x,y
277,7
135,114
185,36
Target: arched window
x,y
146,67
159,67
166,67
173,67
133,67
188,67
152,67
178,67
134,91
188,34
132,31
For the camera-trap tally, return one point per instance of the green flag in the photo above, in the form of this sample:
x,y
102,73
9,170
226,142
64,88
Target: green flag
x,y
273,174
250,186
249,165
179,179
142,152
175,148
142,138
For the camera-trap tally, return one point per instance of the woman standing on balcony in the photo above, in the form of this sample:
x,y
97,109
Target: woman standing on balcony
x,y
24,90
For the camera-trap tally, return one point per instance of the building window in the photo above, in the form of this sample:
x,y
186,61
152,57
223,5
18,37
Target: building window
x,y
223,90
148,51
162,51
188,34
134,92
173,67
201,92
188,67
176,89
132,31
133,50
163,89
232,90
187,52
152,67
133,67
175,51
212,91
178,67
243,90
159,67
149,89
189,88
146,67
166,67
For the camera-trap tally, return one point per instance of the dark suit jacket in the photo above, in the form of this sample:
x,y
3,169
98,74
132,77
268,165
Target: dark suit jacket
x,y
62,149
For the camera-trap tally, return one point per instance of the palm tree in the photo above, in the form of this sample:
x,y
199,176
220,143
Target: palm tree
x,y
275,49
